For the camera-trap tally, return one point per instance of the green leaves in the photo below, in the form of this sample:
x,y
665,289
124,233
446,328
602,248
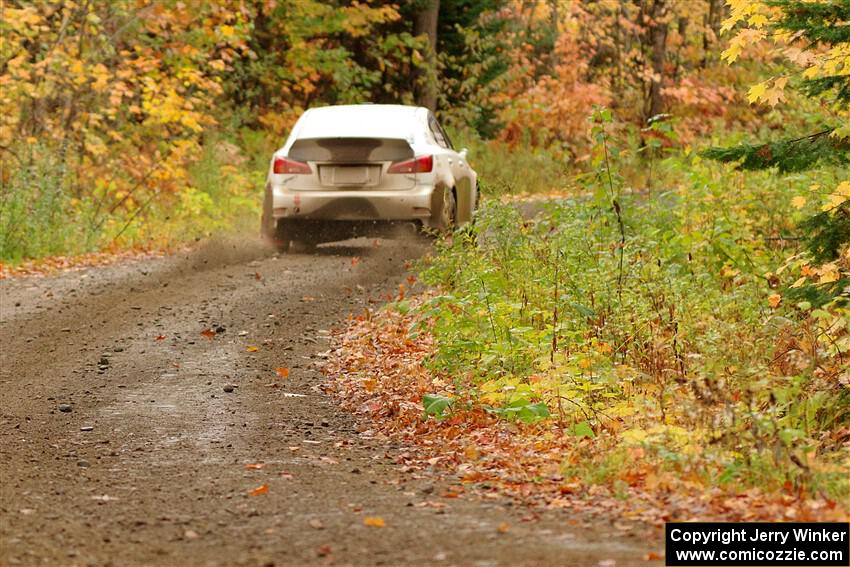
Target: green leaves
x,y
522,410
436,405
582,429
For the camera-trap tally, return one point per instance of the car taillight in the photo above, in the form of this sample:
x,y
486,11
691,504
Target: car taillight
x,y
284,165
421,164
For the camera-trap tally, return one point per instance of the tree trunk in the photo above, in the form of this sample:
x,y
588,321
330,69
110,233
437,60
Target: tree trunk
x,y
711,29
658,53
426,24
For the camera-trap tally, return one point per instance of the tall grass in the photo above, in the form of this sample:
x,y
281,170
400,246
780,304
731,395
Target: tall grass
x,y
42,215
38,216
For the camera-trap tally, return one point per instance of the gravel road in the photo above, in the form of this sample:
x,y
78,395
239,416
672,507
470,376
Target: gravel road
x,y
125,433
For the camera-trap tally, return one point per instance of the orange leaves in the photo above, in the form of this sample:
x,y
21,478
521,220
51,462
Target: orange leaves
x,y
208,333
251,348
262,489
254,466
374,522
282,372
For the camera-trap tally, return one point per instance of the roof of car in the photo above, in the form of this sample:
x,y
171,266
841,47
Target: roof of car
x,y
359,120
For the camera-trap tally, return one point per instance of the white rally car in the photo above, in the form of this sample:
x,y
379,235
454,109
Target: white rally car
x,y
357,169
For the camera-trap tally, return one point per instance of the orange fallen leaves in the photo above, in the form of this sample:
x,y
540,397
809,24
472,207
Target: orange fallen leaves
x,y
374,521
283,372
251,349
376,372
262,489
254,466
208,333
160,337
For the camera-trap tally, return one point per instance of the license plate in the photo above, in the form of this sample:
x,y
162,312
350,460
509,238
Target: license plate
x,y
351,175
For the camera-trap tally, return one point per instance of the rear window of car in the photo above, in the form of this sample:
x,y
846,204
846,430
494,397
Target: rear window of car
x,y
359,122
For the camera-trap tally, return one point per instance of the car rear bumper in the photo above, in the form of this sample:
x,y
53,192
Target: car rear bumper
x,y
353,205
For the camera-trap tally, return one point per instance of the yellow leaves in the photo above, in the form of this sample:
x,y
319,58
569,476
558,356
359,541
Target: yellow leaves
x,y
634,436
837,197
23,21
758,20
772,94
756,92
798,202
359,18
826,274
774,299
829,273
374,522
101,77
744,38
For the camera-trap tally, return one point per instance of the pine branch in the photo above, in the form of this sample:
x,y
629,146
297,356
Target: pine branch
x,y
796,154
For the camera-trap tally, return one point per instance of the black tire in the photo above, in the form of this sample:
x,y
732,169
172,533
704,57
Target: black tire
x,y
282,236
267,222
446,216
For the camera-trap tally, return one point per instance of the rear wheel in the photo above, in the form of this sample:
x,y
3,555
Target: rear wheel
x,y
447,213
282,239
267,222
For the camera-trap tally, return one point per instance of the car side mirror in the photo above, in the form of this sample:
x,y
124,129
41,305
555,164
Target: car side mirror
x,y
463,153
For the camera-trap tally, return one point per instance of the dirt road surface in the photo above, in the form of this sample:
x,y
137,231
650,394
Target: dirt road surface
x,y
125,433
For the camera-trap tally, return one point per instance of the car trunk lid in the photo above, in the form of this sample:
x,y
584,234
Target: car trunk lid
x,y
351,163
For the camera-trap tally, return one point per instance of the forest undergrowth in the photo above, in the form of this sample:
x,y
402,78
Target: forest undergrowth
x,y
656,349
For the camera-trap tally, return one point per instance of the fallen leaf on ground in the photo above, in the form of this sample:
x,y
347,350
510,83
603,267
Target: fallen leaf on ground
x,y
317,524
652,556
257,276
374,521
252,349
161,337
323,551
208,333
254,466
282,372
503,527
286,476
262,489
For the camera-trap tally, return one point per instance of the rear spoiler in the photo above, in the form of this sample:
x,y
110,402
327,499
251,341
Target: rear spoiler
x,y
352,150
